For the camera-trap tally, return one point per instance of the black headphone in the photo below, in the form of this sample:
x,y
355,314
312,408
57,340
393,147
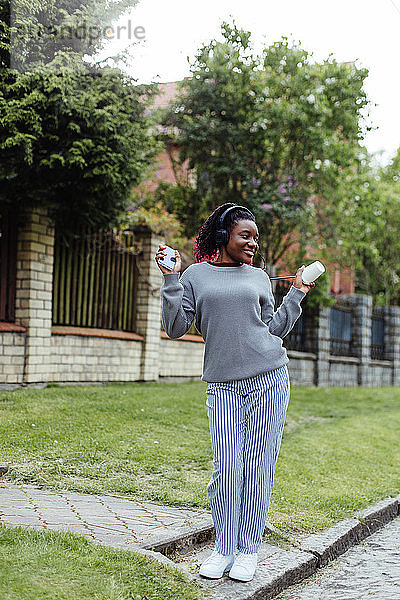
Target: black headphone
x,y
222,234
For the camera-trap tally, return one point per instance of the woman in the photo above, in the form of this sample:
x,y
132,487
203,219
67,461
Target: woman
x,y
245,367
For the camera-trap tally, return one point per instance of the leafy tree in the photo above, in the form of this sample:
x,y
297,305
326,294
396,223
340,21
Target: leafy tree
x,y
73,137
274,132
391,173
145,210
367,226
56,32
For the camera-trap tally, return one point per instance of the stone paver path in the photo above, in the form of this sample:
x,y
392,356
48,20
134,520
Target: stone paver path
x,y
368,571
150,528
111,520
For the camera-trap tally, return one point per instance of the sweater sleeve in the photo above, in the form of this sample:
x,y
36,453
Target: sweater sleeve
x,y
281,321
178,304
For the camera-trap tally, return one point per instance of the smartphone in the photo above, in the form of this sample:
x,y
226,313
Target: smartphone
x,y
169,260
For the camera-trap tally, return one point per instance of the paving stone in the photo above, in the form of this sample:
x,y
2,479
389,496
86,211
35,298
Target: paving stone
x,y
143,526
117,541
168,522
117,529
143,518
147,532
91,508
17,512
9,495
56,503
132,515
16,520
75,497
73,527
55,510
14,502
119,504
96,515
105,520
61,520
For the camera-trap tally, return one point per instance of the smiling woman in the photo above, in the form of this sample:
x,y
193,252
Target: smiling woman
x,y
245,366
242,243
230,235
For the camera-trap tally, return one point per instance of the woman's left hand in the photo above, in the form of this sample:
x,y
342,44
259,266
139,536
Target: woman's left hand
x,y
298,282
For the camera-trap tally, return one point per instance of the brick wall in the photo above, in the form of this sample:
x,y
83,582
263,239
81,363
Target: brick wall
x,y
12,355
91,359
179,358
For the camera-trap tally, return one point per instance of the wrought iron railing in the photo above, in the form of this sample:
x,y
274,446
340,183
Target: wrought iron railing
x,y
341,331
94,282
8,264
377,337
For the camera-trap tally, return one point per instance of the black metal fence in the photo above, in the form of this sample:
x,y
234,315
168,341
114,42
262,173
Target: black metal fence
x,y
94,282
341,331
377,337
8,266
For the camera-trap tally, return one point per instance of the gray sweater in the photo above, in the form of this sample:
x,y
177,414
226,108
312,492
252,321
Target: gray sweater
x,y
234,311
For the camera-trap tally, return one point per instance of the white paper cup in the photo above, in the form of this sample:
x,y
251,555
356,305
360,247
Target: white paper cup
x,y
312,272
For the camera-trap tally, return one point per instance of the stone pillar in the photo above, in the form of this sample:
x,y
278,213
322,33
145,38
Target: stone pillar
x,y
392,340
148,302
34,283
319,343
361,345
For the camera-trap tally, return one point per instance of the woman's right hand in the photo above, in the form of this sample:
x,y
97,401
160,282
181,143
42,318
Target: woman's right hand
x,y
160,253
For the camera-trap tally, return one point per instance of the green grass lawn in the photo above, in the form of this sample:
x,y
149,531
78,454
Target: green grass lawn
x,y
44,565
340,450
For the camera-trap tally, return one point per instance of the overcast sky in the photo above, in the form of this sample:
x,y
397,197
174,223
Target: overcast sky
x,y
366,31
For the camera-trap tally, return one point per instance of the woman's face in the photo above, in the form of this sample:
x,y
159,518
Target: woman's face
x,y
243,242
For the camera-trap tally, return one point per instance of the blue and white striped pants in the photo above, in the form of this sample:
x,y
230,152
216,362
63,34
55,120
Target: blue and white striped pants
x,y
246,418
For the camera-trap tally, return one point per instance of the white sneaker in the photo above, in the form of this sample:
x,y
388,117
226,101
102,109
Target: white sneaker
x,y
244,567
216,565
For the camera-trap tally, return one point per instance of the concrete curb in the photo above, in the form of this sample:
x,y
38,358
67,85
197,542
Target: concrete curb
x,y
192,537
284,568
336,540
